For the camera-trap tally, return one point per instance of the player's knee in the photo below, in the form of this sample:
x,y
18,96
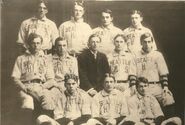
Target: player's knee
x,y
93,122
43,119
28,103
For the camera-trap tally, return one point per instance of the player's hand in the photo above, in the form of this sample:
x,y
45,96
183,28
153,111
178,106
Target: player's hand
x,y
92,92
111,121
165,89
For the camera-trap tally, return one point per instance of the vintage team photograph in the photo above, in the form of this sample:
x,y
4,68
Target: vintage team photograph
x,y
92,62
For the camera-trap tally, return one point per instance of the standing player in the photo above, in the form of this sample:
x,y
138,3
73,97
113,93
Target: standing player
x,y
122,64
134,32
76,105
76,31
151,65
41,25
33,75
109,106
107,31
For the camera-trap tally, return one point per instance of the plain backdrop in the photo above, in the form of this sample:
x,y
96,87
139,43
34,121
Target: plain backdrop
x,y
165,19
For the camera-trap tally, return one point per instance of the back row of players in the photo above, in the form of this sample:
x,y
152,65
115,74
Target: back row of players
x,y
131,58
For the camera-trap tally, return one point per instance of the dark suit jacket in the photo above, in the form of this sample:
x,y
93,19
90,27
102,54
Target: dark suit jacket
x,y
91,70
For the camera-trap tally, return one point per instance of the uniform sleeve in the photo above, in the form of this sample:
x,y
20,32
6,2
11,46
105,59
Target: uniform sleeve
x,y
75,67
154,43
132,66
106,65
54,34
133,110
95,106
61,30
16,73
124,107
22,33
162,67
86,106
156,107
49,69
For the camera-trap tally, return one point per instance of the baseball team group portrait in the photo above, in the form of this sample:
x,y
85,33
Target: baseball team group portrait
x,y
92,62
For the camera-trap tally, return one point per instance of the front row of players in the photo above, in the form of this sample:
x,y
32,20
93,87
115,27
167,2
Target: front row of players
x,y
34,76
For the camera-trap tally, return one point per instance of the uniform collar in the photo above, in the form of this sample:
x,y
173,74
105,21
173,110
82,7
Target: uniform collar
x,y
55,56
43,19
40,53
79,21
111,26
138,28
104,93
122,53
139,96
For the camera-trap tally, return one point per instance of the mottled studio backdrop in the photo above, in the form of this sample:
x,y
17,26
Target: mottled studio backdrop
x,y
165,19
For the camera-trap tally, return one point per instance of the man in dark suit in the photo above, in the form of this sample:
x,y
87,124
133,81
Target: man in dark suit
x,y
92,66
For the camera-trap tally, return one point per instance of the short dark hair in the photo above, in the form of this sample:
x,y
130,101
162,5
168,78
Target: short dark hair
x,y
93,35
70,76
141,80
59,39
136,12
121,35
109,75
79,3
108,11
146,35
32,36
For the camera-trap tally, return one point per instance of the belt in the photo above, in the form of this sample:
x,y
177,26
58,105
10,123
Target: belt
x,y
122,81
34,81
154,82
47,51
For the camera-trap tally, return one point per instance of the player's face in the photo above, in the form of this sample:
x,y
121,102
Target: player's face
x,y
35,45
61,47
42,10
108,84
71,86
78,12
106,19
147,44
119,43
142,88
136,19
94,43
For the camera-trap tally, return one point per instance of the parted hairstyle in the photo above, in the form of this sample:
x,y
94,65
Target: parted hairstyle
x,y
107,11
120,35
136,12
109,75
93,35
141,80
32,36
59,39
70,76
144,36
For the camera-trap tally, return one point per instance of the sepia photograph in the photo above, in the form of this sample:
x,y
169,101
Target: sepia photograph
x,y
92,62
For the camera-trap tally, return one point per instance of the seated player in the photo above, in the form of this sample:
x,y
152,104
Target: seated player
x,y
109,106
76,105
144,109
33,75
122,64
63,63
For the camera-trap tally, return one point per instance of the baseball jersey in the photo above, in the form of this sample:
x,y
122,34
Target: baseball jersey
x,y
122,65
133,38
151,65
64,65
77,105
109,105
141,107
76,34
43,27
28,67
107,35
